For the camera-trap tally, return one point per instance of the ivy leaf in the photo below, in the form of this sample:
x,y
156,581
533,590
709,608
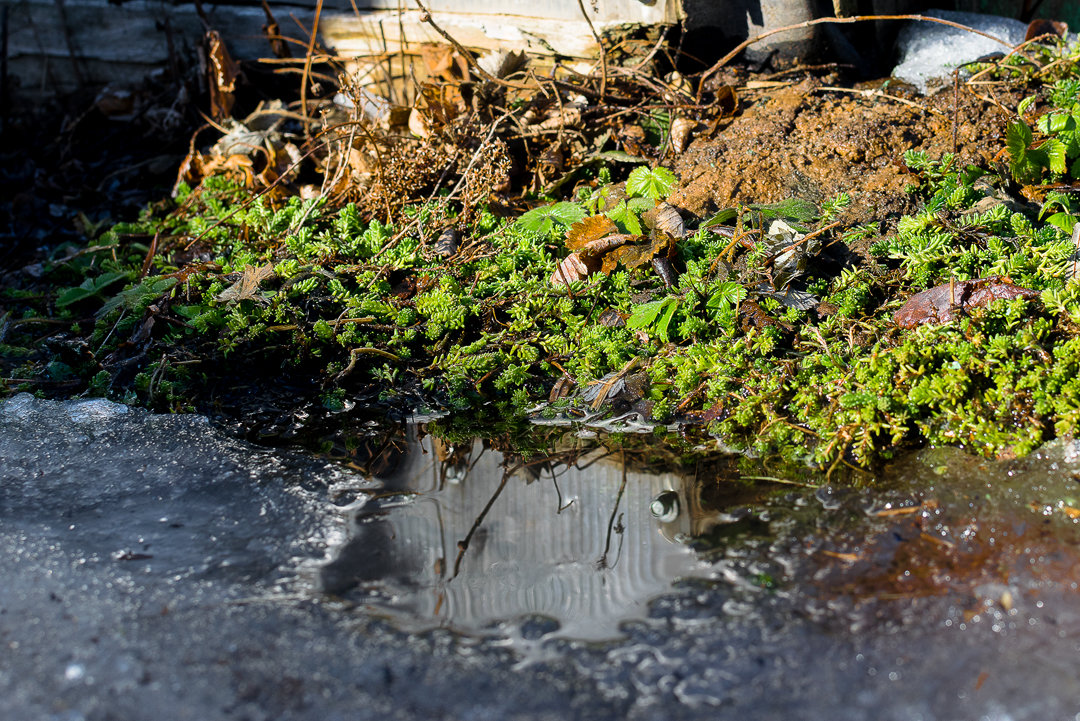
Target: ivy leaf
x,y
543,219
653,183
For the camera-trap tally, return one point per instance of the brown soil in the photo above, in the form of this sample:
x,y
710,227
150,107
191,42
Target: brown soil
x,y
803,140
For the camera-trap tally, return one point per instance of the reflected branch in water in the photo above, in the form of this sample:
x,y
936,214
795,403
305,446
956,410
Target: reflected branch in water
x,y
463,545
603,562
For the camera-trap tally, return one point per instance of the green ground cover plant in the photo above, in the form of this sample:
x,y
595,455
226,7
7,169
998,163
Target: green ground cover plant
x,y
772,333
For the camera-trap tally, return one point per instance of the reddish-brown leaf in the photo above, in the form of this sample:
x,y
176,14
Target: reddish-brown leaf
x,y
941,304
588,230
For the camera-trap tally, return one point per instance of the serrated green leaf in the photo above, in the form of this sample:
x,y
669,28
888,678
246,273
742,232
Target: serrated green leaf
x,y
653,183
89,288
542,220
567,213
664,323
1026,104
130,298
726,294
625,217
646,314
1064,221
1017,139
1055,153
73,295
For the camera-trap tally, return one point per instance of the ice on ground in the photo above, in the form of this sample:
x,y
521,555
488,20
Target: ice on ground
x,y
930,51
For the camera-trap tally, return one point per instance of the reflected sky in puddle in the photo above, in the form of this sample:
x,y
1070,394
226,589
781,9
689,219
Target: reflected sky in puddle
x,y
464,537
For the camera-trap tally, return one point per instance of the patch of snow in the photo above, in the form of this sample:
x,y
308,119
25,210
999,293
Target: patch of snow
x,y
930,51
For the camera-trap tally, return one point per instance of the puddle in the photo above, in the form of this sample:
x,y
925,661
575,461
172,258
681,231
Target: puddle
x,y
158,568
466,537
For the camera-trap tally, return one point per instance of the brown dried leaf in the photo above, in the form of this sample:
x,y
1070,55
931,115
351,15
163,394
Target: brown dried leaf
x,y
941,304
443,61
246,287
666,217
562,388
727,100
570,270
1040,27
278,46
682,130
633,255
190,171
589,229
612,318
223,72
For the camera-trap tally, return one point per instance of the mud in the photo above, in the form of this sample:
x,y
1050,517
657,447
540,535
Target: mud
x,y
807,140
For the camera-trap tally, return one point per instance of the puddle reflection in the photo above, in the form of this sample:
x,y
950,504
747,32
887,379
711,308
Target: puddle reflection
x,y
463,537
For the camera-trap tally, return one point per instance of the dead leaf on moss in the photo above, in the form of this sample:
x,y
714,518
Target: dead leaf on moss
x,y
633,255
589,229
942,304
570,270
666,217
598,246
248,285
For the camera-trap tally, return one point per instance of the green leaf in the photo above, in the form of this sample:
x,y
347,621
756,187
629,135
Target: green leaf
x,y
74,295
644,315
1026,104
1055,153
665,320
724,216
130,298
543,219
727,294
567,213
625,217
88,289
1018,137
1064,221
653,183
792,208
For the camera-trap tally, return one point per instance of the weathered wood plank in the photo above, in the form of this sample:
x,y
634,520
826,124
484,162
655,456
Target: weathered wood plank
x,y
57,46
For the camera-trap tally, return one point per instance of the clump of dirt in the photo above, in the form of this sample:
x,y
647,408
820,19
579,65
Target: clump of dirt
x,y
814,140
